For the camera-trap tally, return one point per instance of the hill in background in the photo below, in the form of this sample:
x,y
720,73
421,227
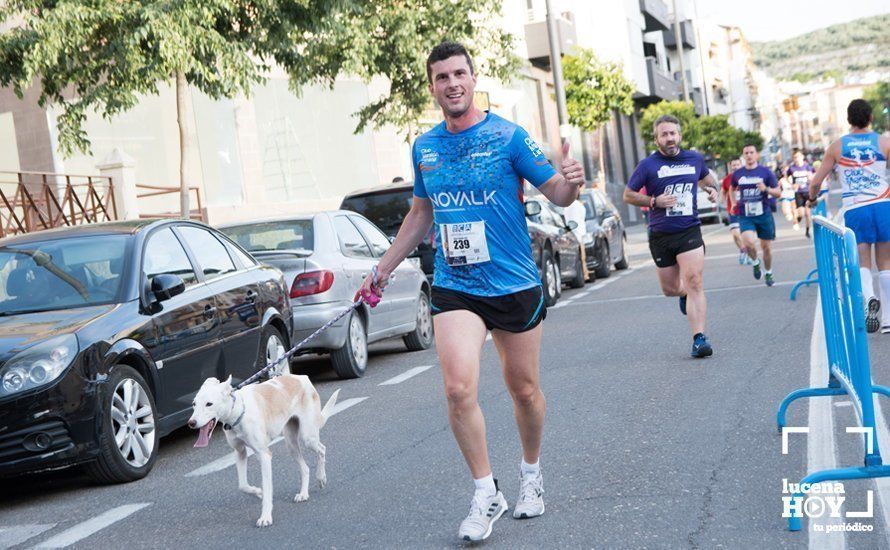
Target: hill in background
x,y
832,52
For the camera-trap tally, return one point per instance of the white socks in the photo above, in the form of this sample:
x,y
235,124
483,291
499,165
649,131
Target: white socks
x,y
884,278
868,287
485,486
534,469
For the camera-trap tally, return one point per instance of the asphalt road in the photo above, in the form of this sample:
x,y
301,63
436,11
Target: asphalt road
x,y
644,447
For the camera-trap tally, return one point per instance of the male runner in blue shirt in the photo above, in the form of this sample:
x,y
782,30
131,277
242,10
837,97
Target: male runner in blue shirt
x,y
469,173
671,177
756,184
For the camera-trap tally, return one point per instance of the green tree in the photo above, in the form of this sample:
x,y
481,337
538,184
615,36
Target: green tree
x,y
594,89
879,97
103,55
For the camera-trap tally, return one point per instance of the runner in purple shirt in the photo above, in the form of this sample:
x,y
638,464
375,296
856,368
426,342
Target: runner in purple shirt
x,y
800,173
670,177
756,184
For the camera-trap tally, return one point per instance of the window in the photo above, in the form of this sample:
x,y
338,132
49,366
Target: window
x,y
599,202
164,255
279,235
209,252
246,261
351,242
379,243
386,210
589,212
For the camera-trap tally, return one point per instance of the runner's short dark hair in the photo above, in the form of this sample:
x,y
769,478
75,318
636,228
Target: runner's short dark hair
x,y
442,52
749,144
859,113
666,118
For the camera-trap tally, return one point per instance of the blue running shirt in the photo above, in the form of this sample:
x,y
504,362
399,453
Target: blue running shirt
x,y
476,175
745,180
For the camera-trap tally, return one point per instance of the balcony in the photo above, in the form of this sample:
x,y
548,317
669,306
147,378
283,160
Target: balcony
x,y
688,32
538,43
661,85
655,14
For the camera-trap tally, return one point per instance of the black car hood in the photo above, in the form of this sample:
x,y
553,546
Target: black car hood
x,y
21,331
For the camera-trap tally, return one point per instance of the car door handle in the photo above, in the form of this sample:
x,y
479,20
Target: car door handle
x,y
251,296
209,312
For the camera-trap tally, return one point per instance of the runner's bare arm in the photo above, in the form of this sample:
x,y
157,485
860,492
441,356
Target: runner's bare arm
x,y
563,188
414,227
828,162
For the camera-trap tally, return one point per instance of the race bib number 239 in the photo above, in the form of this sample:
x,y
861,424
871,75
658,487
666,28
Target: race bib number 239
x,y
464,243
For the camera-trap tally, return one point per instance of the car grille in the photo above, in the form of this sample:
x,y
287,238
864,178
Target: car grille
x,y
37,439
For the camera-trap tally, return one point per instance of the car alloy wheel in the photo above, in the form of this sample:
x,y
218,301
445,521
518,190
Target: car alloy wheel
x,y
274,350
133,422
358,342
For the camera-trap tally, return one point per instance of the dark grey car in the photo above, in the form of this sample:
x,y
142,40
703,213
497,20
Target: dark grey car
x,y
325,257
608,241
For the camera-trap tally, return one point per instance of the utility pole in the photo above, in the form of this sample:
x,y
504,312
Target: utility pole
x,y
679,38
556,65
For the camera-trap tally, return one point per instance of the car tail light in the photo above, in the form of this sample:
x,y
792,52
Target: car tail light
x,y
311,282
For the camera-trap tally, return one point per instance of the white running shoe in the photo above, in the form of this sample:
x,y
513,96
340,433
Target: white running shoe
x,y
484,511
797,227
885,329
531,496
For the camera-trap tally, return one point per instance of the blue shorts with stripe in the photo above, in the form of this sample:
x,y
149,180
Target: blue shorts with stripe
x,y
871,223
517,312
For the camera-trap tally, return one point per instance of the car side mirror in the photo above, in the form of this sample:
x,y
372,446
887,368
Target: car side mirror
x,y
532,208
166,286
572,225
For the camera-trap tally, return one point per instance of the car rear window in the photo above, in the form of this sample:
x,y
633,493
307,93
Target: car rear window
x,y
278,235
385,210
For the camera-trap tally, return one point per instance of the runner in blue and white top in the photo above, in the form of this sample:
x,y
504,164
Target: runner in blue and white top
x,y
859,159
671,177
755,184
469,174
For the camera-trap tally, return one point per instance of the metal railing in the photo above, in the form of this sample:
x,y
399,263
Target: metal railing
x,y
821,209
34,201
849,370
145,191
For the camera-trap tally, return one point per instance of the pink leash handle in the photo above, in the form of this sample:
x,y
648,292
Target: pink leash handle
x,y
373,295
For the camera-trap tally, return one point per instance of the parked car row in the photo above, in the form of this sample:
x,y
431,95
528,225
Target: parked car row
x,y
108,330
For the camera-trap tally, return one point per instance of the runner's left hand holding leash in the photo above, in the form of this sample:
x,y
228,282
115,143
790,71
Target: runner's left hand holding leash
x,y
372,287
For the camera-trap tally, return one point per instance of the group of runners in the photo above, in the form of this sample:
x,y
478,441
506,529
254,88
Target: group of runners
x,y
469,178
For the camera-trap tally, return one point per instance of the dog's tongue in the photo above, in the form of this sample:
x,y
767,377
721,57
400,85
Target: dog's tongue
x,y
204,434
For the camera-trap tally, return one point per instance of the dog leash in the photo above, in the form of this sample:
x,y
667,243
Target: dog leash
x,y
372,298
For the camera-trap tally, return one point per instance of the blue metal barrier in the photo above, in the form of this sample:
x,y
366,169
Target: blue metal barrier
x,y
849,370
821,209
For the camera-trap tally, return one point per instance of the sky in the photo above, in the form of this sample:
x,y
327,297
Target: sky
x,y
763,20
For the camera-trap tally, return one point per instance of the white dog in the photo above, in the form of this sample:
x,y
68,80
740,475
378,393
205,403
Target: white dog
x,y
255,415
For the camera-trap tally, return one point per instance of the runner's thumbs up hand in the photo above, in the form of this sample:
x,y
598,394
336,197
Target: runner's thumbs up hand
x,y
571,168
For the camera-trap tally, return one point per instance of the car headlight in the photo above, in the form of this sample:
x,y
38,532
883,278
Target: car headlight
x,y
38,365
415,262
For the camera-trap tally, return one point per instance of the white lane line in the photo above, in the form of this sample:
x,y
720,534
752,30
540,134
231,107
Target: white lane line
x,y
840,404
11,536
345,404
820,441
654,296
229,460
91,526
405,375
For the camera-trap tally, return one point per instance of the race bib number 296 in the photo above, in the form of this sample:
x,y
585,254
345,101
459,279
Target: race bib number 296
x,y
683,194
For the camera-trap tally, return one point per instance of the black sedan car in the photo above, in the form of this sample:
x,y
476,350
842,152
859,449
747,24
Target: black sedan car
x,y
554,248
607,242
108,330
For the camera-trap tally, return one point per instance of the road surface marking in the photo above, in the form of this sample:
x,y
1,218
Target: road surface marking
x,y
653,296
12,536
405,375
91,526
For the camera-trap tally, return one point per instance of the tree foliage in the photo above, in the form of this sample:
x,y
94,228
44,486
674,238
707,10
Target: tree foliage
x,y
594,89
102,55
710,135
879,97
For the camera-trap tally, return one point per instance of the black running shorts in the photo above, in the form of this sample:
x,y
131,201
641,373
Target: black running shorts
x,y
517,312
800,199
666,246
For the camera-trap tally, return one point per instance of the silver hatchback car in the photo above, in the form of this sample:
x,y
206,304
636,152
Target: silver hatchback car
x,y
325,257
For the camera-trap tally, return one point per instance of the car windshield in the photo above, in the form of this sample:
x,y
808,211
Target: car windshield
x,y
385,210
287,235
587,201
61,273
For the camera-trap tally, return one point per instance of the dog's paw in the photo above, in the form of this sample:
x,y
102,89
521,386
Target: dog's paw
x,y
264,521
322,481
251,490
301,497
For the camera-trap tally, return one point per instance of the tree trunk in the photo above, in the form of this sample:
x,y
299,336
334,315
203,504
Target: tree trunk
x,y
602,157
182,121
